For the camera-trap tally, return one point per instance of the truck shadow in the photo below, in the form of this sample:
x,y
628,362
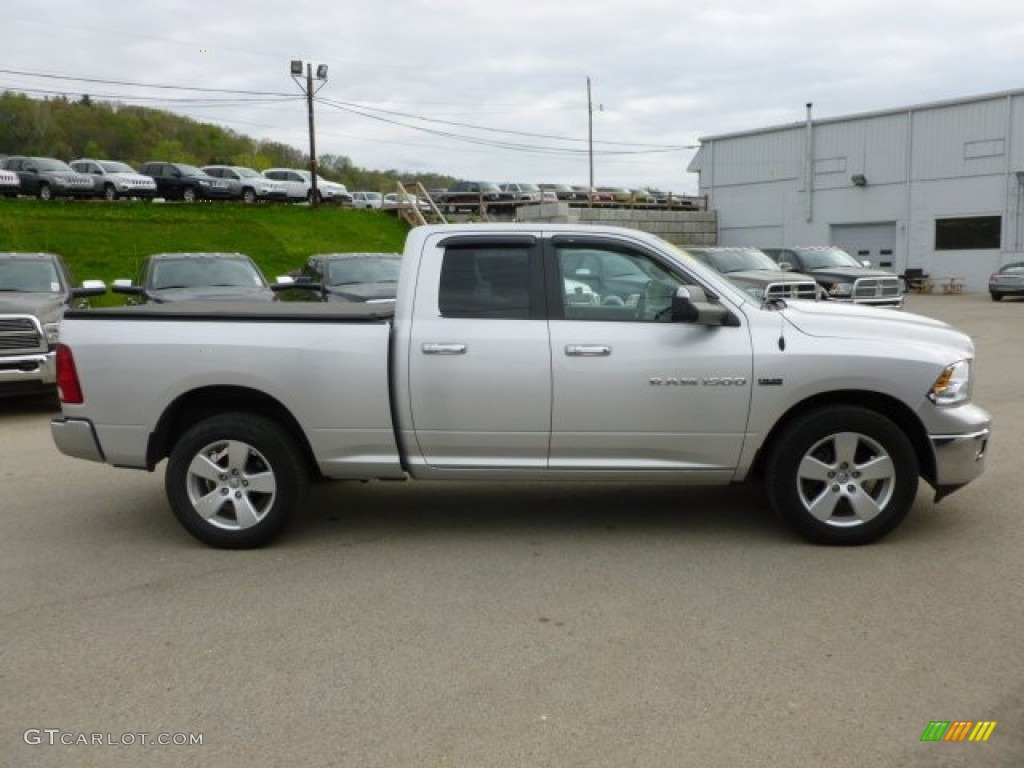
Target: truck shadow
x,y
365,511
43,405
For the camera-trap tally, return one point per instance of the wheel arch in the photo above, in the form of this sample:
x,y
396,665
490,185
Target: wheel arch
x,y
198,404
895,410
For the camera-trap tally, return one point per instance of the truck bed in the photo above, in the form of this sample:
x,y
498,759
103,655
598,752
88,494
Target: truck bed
x,y
325,364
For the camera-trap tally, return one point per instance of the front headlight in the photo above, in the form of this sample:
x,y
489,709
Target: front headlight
x,y
953,386
51,330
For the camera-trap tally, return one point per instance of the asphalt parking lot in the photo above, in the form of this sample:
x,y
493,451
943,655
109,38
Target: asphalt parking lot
x,y
492,625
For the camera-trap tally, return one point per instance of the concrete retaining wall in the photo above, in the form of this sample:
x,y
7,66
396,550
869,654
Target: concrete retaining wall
x,y
679,227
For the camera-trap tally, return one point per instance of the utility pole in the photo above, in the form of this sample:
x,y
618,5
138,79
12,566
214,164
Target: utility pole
x,y
314,200
590,131
321,74
590,134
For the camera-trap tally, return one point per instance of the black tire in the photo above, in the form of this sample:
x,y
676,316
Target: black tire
x,y
109,193
816,475
997,297
45,193
188,194
248,195
234,480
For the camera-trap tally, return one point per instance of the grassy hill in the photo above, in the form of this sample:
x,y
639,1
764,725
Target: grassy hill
x,y
108,241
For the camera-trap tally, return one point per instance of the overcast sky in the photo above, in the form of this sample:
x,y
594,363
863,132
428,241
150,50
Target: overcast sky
x,y
496,89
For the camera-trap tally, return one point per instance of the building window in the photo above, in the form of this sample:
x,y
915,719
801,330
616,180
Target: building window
x,y
969,233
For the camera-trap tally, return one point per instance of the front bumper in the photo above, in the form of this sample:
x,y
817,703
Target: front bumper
x,y
76,438
39,368
959,459
959,443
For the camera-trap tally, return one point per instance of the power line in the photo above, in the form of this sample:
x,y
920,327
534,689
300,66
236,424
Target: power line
x,y
140,85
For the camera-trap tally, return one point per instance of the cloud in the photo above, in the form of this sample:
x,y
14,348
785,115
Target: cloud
x,y
666,72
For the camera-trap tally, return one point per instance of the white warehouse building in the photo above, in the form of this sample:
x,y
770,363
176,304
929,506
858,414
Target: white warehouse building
x,y
937,187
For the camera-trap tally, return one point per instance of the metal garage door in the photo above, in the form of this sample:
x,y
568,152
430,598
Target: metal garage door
x,y
874,242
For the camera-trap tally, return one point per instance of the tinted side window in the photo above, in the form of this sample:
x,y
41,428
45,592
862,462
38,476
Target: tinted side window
x,y
485,282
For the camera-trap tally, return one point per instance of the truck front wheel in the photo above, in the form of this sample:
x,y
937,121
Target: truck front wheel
x,y
234,480
842,475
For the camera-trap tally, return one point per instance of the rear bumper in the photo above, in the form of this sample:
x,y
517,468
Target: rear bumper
x,y
77,438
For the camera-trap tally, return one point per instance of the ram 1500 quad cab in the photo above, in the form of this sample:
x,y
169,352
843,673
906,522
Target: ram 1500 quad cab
x,y
494,364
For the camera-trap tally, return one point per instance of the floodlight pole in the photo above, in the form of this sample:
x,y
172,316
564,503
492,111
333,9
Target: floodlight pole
x,y
314,193
321,74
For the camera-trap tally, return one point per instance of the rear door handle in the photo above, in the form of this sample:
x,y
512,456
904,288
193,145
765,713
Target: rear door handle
x,y
431,348
588,350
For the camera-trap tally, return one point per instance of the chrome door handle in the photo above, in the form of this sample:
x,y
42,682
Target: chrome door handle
x,y
588,350
444,349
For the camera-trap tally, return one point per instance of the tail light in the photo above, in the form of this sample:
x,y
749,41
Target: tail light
x,y
68,386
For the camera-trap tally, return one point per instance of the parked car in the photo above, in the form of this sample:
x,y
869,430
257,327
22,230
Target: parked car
x,y
10,184
358,277
46,177
842,276
472,195
600,198
524,192
563,192
171,277
112,180
298,186
367,200
35,289
756,273
1008,281
246,184
391,201
180,181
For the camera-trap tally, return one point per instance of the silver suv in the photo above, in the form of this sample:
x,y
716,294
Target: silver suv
x,y
111,179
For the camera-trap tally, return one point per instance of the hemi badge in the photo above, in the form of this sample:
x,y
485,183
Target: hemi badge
x,y
769,382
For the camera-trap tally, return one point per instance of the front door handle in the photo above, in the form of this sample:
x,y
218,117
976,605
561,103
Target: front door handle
x,y
444,349
588,350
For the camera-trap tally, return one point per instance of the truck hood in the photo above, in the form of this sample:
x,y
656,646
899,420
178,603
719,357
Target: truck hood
x,y
362,292
849,273
762,277
825,319
46,306
211,293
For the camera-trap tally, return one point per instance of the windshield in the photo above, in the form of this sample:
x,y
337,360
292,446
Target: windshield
x,y
189,170
205,273
112,166
46,164
245,173
382,269
23,276
736,260
822,258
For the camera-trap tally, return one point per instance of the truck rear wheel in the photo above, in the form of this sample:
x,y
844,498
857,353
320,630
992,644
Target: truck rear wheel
x,y
842,475
234,480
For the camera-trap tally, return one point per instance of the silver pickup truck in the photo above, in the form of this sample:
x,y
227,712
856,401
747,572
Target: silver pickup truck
x,y
494,364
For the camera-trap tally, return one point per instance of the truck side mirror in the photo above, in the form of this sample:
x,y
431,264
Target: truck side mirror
x,y
89,288
125,286
691,305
